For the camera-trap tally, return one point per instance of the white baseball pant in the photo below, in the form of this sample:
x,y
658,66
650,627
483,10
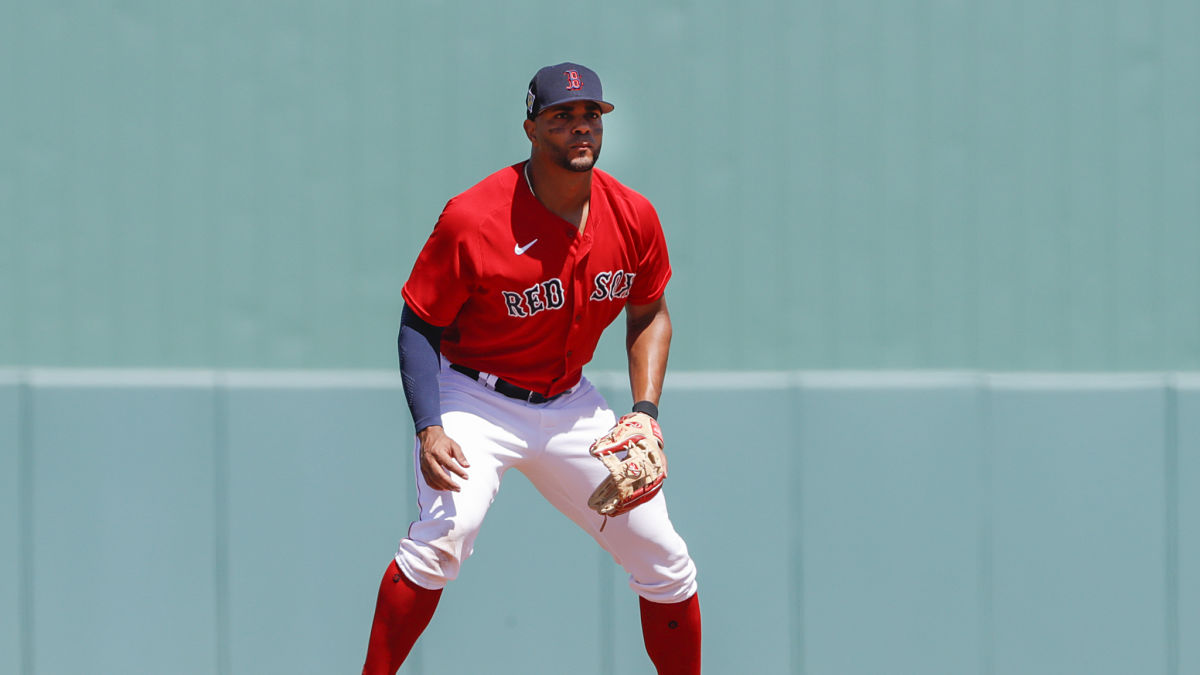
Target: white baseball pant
x,y
548,443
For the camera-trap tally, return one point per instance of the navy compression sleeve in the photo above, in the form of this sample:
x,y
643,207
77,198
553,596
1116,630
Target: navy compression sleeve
x,y
419,344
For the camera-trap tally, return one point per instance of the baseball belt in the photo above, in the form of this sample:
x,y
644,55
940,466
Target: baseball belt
x,y
503,386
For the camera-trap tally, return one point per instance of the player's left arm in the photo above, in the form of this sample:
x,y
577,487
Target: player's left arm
x,y
648,342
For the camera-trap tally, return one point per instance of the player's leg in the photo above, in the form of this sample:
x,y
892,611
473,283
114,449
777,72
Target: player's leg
x,y
643,541
492,431
663,575
672,635
402,611
443,535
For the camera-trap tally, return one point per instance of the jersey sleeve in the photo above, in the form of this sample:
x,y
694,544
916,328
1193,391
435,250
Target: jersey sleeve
x,y
654,265
443,274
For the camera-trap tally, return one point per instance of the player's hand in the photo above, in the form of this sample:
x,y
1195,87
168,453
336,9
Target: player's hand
x,y
441,456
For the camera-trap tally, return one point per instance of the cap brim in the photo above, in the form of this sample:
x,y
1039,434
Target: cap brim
x,y
605,106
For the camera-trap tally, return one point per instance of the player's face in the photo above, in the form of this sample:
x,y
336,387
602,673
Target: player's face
x,y
569,134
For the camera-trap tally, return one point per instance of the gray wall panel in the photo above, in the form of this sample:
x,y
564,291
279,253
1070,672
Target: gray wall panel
x,y
526,600
124,527
319,493
1079,535
11,532
736,516
887,522
1186,492
891,508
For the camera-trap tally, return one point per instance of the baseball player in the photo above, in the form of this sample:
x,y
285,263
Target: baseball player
x,y
505,304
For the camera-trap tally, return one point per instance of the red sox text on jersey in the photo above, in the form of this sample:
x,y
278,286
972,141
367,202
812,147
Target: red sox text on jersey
x,y
549,294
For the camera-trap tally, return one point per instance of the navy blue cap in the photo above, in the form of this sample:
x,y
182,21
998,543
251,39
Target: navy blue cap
x,y
561,83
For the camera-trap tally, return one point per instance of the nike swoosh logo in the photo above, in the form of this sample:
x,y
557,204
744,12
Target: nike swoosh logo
x,y
521,249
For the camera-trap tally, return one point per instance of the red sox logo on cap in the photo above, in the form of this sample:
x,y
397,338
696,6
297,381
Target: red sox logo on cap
x,y
573,81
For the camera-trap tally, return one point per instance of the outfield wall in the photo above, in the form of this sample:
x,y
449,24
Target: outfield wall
x,y
964,184
844,523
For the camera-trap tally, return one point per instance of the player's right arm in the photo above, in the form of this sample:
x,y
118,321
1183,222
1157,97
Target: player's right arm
x,y
435,291
419,349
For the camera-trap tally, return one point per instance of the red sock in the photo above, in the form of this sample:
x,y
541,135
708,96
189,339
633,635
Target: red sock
x,y
672,635
402,611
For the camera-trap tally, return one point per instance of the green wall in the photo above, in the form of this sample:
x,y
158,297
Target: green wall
x,y
844,524
998,184
956,190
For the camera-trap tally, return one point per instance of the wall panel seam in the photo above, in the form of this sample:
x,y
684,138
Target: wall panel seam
x,y
986,535
25,522
1171,529
221,534
796,543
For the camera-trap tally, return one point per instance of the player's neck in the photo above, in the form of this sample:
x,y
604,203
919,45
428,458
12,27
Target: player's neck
x,y
566,194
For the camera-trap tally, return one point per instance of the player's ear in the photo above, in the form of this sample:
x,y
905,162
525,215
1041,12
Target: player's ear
x,y
529,127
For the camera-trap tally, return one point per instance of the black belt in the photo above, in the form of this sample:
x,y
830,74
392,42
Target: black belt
x,y
507,388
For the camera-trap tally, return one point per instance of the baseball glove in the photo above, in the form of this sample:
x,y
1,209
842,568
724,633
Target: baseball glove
x,y
635,478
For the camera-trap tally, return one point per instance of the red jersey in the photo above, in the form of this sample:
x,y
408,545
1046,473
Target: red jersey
x,y
522,294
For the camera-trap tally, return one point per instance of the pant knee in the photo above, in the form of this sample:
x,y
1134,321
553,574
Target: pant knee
x,y
669,583
430,565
